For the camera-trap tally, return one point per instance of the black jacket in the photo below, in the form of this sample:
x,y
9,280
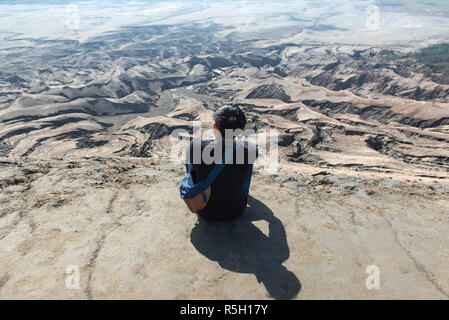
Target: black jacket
x,y
228,199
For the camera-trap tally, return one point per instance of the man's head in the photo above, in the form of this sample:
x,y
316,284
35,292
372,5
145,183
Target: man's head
x,y
229,117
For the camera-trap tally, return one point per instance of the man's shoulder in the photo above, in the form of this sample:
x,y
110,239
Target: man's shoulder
x,y
245,149
194,150
238,143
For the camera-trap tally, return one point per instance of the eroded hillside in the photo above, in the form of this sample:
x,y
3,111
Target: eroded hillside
x,y
335,106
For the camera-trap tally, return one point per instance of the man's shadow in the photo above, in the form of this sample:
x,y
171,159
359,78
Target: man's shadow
x,y
240,246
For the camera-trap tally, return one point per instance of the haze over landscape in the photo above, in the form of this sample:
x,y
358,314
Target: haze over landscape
x,y
91,91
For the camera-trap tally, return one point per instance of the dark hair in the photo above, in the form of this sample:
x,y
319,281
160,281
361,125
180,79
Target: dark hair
x,y
229,117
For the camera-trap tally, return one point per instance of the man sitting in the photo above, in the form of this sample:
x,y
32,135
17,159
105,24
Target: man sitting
x,y
229,191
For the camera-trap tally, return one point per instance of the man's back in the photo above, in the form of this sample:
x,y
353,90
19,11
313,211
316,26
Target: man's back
x,y
228,199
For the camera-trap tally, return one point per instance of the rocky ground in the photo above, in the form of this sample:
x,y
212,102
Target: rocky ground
x,y
303,236
88,182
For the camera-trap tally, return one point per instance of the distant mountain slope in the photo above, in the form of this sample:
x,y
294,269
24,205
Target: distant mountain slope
x,y
335,106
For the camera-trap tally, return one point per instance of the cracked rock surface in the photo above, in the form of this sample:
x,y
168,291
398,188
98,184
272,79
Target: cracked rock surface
x,y
121,222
